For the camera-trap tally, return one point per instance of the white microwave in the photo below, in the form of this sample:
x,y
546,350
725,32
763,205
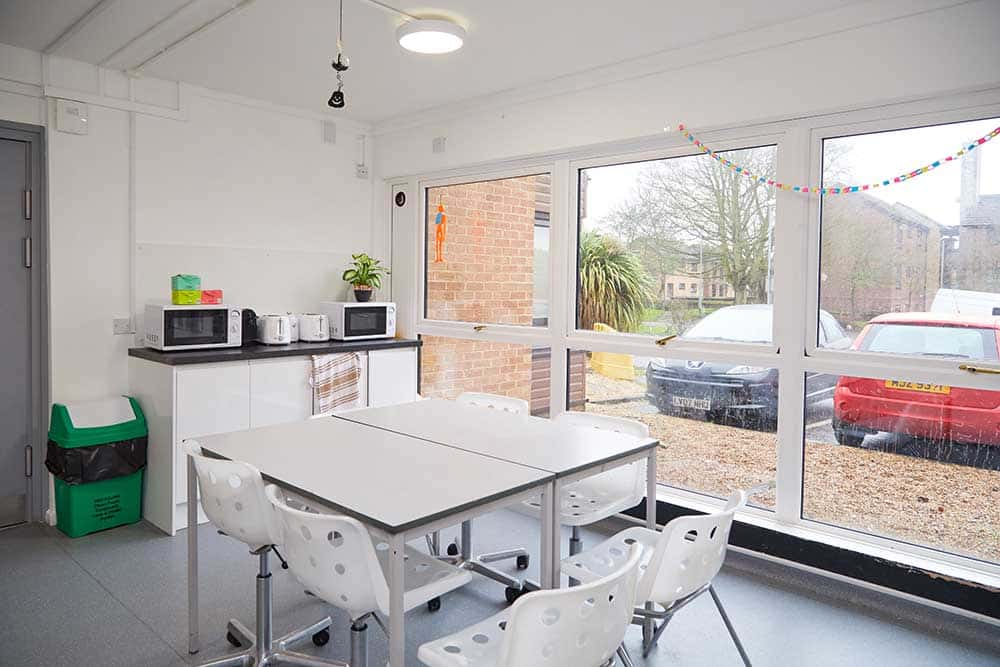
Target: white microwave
x,y
170,328
360,320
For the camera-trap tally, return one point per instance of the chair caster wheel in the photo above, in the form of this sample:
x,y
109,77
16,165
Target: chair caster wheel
x,y
321,638
522,562
512,594
452,549
231,638
434,604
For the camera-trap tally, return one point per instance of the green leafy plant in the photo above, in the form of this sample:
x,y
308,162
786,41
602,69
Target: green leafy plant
x,y
365,272
614,286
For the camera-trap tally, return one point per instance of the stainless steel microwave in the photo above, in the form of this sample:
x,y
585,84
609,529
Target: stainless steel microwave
x,y
170,327
360,320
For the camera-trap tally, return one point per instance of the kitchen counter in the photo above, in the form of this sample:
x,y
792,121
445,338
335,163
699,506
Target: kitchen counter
x,y
261,351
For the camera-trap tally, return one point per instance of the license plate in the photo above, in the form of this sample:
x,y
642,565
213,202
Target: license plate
x,y
694,403
918,386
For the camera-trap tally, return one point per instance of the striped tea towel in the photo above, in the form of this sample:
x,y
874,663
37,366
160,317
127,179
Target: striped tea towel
x,y
336,380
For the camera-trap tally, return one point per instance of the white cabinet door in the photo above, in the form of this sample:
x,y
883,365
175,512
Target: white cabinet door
x,y
392,376
280,391
211,398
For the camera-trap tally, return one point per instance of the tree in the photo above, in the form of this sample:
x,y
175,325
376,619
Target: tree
x,y
650,237
696,202
614,287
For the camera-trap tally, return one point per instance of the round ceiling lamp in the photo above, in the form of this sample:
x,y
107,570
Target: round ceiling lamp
x,y
432,36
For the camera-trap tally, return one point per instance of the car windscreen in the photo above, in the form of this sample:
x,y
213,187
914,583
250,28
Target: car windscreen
x,y
739,325
932,341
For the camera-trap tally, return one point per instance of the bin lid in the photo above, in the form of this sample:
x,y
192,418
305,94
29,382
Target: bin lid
x,y
96,422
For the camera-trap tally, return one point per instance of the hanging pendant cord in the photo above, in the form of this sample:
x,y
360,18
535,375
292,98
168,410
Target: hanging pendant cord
x,y
340,30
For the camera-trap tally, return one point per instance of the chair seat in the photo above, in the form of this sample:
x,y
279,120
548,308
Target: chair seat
x,y
582,504
475,646
610,555
426,577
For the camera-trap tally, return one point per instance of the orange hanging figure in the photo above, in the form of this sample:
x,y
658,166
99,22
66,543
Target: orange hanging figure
x,y
440,230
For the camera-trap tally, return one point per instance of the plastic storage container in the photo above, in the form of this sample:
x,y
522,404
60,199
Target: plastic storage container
x,y
97,453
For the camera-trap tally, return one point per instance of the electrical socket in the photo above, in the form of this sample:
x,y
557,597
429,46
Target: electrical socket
x,y
122,326
361,170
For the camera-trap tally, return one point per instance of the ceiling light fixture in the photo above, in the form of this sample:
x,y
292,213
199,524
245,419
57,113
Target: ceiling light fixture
x,y
432,36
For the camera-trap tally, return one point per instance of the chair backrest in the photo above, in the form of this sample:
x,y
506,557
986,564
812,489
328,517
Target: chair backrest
x,y
580,626
630,479
517,406
232,495
688,554
332,556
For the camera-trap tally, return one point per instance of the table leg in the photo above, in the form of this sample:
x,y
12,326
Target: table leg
x,y
648,626
548,526
192,564
556,534
397,637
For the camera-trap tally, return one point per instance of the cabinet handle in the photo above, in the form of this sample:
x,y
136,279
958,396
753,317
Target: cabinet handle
x,y
979,369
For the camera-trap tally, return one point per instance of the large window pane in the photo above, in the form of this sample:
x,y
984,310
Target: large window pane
x,y
450,366
930,244
487,251
715,421
665,243
915,462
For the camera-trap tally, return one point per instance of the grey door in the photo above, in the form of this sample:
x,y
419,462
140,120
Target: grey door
x,y
15,341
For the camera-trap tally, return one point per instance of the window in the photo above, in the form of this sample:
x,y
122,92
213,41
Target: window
x,y
949,262
911,461
487,255
647,221
716,421
450,366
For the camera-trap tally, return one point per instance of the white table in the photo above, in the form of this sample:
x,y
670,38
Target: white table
x,y
568,452
392,482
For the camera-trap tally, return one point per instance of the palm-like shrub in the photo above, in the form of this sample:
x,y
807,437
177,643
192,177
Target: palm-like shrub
x,y
614,286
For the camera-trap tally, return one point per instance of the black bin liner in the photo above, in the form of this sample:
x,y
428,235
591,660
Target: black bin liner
x,y
81,465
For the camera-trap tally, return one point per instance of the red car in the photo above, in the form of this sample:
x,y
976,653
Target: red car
x,y
935,412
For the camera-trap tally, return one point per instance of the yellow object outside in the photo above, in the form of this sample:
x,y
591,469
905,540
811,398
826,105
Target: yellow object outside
x,y
613,365
185,297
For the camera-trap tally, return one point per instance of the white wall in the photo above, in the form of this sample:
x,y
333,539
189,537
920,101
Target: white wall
x,y
243,193
862,55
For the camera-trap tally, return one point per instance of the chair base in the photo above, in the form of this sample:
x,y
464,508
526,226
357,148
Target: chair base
x,y
480,564
260,649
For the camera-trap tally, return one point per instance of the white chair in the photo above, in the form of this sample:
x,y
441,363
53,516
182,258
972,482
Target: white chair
x,y
572,627
334,557
678,564
461,549
232,495
601,496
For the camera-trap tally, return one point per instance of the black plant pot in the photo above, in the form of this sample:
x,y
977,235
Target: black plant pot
x,y
363,295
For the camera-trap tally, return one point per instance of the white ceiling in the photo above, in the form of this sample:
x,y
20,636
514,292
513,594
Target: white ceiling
x,y
280,50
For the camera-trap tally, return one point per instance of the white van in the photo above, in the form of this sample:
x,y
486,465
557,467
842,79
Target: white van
x,y
966,302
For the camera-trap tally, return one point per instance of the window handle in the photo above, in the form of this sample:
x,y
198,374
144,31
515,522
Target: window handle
x,y
479,327
666,339
979,369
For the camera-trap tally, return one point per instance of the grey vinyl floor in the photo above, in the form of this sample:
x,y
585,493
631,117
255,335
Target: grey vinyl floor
x,y
119,598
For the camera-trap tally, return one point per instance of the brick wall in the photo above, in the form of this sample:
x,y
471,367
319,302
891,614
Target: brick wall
x,y
486,277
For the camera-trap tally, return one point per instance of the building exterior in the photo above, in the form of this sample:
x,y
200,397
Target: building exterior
x,y
860,279
978,262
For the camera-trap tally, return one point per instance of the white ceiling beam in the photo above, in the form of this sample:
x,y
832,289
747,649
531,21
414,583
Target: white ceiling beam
x,y
169,17
77,26
236,8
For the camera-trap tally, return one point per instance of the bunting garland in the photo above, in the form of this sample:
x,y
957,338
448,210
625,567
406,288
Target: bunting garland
x,y
844,189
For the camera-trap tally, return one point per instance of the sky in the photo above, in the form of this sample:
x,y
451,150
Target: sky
x,y
868,158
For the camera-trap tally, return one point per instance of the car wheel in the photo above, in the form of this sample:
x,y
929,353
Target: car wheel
x,y
847,438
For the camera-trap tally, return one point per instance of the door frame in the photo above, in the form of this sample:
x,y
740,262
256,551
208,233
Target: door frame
x,y
38,487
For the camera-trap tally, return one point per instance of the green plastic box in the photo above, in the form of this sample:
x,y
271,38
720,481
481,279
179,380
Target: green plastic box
x,y
93,506
184,282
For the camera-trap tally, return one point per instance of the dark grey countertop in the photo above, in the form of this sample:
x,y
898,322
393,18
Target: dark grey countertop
x,y
261,351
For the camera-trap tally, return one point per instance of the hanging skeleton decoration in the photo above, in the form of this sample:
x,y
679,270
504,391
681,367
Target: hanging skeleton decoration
x,y
340,65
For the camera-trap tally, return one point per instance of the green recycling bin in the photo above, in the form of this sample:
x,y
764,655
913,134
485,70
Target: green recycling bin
x,y
97,453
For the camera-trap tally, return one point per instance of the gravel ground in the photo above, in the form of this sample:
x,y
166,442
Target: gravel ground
x,y
951,507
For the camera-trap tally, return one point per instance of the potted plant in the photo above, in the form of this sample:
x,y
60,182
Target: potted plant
x,y
365,276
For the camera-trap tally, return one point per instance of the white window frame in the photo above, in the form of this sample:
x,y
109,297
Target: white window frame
x,y
794,351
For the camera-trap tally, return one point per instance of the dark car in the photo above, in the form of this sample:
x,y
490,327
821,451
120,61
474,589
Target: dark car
x,y
744,394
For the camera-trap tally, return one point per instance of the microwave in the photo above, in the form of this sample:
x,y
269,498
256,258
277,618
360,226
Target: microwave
x,y
175,327
360,320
